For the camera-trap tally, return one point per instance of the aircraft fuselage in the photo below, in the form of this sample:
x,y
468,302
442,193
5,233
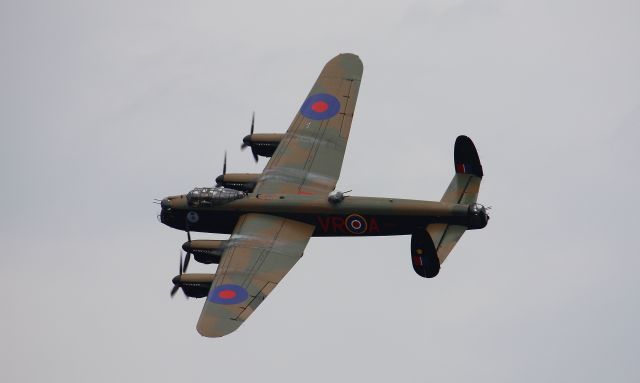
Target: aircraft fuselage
x,y
354,216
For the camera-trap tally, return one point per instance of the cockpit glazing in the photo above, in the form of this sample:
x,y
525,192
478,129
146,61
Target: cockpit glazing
x,y
204,197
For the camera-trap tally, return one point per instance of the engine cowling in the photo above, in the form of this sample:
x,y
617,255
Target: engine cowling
x,y
205,251
194,285
239,181
263,144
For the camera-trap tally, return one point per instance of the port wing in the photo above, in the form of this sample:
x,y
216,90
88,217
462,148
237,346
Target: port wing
x,y
261,250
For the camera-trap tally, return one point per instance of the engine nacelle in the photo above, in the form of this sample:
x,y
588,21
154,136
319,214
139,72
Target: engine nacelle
x,y
263,144
194,285
478,217
239,181
205,251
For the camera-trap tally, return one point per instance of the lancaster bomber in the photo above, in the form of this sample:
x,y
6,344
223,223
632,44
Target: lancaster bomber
x,y
272,215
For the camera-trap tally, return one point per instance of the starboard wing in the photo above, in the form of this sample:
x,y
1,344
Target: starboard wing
x,y
261,250
309,157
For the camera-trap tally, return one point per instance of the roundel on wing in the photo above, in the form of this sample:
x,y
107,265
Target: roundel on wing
x,y
356,224
320,106
228,295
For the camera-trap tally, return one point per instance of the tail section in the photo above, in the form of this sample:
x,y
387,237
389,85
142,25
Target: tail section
x,y
431,246
465,185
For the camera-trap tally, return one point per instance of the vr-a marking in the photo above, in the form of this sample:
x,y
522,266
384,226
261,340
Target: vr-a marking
x,y
352,224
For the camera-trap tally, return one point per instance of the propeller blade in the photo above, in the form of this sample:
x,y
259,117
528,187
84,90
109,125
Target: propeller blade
x,y
176,286
224,165
246,142
183,268
253,120
186,262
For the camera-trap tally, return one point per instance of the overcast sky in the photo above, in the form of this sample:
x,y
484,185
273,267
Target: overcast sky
x,y
107,105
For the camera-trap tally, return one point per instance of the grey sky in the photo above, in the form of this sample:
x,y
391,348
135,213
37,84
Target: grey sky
x,y
107,105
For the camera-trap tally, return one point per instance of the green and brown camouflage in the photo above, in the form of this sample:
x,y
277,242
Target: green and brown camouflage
x,y
272,215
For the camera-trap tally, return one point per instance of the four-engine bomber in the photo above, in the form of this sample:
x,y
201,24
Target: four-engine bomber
x,y
272,215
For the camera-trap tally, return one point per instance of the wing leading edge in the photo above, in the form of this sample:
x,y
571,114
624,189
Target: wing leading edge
x,y
309,157
262,249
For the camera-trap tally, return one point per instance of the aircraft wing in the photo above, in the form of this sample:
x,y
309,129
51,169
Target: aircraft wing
x,y
309,157
261,250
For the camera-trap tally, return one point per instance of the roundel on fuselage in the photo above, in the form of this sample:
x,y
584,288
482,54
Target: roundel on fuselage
x,y
356,224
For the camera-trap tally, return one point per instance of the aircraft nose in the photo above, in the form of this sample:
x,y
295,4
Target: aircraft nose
x,y
165,203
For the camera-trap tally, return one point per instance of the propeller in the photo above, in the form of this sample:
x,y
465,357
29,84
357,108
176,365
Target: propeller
x,y
247,140
224,164
187,258
176,286
220,178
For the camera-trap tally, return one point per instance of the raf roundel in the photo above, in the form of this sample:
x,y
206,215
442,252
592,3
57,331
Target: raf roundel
x,y
228,295
356,224
192,217
320,106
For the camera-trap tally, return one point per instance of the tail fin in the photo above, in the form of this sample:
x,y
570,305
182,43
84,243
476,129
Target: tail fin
x,y
463,189
465,185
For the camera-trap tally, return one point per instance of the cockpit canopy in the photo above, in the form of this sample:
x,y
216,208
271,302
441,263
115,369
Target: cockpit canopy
x,y
203,197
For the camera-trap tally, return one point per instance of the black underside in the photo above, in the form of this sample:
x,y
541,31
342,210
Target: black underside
x,y
326,225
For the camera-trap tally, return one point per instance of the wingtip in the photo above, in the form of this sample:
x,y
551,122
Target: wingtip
x,y
348,63
211,327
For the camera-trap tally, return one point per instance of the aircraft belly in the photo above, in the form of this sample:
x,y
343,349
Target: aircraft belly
x,y
206,221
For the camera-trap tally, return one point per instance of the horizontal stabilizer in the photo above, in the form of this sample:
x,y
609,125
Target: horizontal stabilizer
x,y
423,254
463,189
